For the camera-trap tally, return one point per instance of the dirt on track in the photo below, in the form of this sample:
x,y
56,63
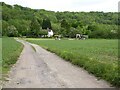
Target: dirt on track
x,y
38,68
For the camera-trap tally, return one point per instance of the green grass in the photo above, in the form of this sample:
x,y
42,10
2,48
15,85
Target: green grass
x,y
97,56
11,50
0,57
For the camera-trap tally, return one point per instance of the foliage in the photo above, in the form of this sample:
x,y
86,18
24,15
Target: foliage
x,y
43,32
28,22
46,24
103,31
12,31
34,27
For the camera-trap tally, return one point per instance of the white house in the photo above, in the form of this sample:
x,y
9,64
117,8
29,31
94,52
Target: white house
x,y
50,33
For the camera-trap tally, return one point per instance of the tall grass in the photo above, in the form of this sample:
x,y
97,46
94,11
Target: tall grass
x,y
99,57
0,57
11,50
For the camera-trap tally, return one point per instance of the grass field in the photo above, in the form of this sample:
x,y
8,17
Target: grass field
x,y
11,50
0,57
97,56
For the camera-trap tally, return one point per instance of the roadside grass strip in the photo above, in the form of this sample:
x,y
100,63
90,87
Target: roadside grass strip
x,y
11,50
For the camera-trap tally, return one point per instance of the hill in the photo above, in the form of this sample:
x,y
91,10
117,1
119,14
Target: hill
x,y
24,21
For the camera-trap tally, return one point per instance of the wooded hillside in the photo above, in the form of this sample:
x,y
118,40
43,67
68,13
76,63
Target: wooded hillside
x,y
24,21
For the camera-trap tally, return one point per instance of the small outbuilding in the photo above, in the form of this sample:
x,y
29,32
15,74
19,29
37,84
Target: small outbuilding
x,y
50,32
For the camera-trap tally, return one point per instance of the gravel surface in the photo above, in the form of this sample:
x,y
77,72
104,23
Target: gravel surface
x,y
38,68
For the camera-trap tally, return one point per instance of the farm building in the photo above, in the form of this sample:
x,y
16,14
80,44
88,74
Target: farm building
x,y
50,32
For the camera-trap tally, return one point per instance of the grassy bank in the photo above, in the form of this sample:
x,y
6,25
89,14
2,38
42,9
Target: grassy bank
x,y
11,50
99,57
0,57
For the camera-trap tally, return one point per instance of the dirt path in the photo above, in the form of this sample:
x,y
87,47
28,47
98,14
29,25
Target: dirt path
x,y
38,68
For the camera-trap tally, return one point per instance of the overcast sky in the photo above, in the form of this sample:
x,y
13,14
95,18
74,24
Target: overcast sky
x,y
68,5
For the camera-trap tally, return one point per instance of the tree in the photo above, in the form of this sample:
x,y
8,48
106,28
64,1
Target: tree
x,y
43,32
73,32
56,28
12,31
4,28
65,24
46,24
65,28
74,24
34,28
92,27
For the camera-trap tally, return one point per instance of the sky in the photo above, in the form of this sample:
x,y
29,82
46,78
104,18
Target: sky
x,y
68,5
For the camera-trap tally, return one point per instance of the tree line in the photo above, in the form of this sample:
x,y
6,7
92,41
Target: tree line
x,y
24,21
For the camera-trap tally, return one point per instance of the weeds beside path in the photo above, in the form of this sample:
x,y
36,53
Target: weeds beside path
x,y
11,50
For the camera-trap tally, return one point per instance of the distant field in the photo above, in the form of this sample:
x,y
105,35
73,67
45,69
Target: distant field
x,y
11,50
39,39
97,56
